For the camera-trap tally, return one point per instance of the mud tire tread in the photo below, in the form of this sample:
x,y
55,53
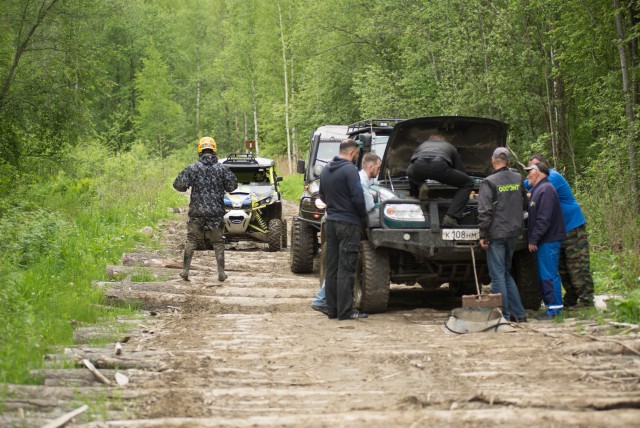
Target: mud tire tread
x,y
302,237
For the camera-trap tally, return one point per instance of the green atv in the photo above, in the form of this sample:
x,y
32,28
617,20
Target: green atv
x,y
253,212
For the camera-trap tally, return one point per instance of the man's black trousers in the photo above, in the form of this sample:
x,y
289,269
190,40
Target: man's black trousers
x,y
343,246
438,169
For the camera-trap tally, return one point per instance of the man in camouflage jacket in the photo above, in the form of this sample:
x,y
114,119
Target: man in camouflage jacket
x,y
208,180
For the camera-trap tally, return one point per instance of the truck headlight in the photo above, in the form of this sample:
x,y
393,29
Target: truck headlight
x,y
314,187
404,212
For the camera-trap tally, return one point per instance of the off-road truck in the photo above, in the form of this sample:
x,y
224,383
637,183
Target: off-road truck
x,y
405,243
372,136
253,212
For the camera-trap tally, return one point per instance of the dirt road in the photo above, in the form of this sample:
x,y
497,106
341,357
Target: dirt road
x,y
251,352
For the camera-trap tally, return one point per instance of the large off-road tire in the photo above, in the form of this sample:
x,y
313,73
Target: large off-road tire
x,y
371,287
302,237
274,234
525,273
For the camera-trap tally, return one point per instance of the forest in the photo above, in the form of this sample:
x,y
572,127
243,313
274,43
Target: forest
x,y
103,101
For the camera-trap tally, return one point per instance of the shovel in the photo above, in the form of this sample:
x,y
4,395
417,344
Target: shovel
x,y
491,300
479,312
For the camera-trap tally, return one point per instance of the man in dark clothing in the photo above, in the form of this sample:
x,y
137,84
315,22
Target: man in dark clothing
x,y
436,159
209,180
502,200
545,232
574,267
341,191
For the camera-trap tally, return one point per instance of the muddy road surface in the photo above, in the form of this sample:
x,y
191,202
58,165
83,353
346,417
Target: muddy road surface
x,y
251,352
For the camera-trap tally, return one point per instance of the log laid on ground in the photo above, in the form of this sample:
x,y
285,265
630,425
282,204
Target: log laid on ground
x,y
103,360
156,272
81,377
62,420
149,260
606,347
94,334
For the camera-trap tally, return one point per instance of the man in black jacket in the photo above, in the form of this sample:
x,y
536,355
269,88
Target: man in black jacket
x,y
545,232
502,200
437,159
341,191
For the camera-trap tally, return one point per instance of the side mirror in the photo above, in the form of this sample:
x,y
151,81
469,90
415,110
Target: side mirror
x,y
279,179
301,167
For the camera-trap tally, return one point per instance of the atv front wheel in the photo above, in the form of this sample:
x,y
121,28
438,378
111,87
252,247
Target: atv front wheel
x,y
302,238
274,235
371,287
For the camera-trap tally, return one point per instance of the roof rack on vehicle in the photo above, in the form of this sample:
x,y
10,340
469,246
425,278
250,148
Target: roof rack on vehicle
x,y
241,158
372,123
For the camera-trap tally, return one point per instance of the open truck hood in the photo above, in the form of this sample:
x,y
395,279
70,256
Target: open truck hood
x,y
475,138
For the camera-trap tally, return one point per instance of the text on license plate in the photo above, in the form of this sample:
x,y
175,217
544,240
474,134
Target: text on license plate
x,y
460,234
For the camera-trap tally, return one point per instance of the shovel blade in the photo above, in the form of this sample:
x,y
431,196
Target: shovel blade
x,y
493,300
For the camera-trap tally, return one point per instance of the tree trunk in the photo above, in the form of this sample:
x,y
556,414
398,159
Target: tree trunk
x,y
254,99
198,94
629,114
286,88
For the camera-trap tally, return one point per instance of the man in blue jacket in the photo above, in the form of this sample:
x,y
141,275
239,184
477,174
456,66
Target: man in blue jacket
x,y
545,232
574,268
341,191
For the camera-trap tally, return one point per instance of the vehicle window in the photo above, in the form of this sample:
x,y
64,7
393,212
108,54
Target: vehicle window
x,y
327,150
379,144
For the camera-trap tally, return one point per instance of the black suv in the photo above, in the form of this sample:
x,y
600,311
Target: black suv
x,y
325,144
405,242
372,136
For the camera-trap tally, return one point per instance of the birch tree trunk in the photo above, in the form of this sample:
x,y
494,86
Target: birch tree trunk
x,y
286,88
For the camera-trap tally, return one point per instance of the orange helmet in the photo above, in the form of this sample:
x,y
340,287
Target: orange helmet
x,y
207,143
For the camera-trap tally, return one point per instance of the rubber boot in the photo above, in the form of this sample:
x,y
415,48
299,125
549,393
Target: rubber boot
x,y
188,255
220,259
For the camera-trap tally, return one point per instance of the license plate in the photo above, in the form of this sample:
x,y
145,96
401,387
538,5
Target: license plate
x,y
460,234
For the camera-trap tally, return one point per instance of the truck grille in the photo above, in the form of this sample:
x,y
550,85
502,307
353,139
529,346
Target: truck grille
x,y
469,216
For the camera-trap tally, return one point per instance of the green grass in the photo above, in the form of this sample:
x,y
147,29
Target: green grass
x,y
291,187
60,236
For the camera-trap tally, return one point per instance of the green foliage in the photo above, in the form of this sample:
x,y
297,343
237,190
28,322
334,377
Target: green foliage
x,y
292,187
61,237
627,309
158,115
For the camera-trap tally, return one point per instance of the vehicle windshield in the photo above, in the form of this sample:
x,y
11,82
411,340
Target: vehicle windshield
x,y
379,144
327,150
253,177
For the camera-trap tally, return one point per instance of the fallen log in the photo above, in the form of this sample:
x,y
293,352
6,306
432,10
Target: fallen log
x,y
62,420
95,372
